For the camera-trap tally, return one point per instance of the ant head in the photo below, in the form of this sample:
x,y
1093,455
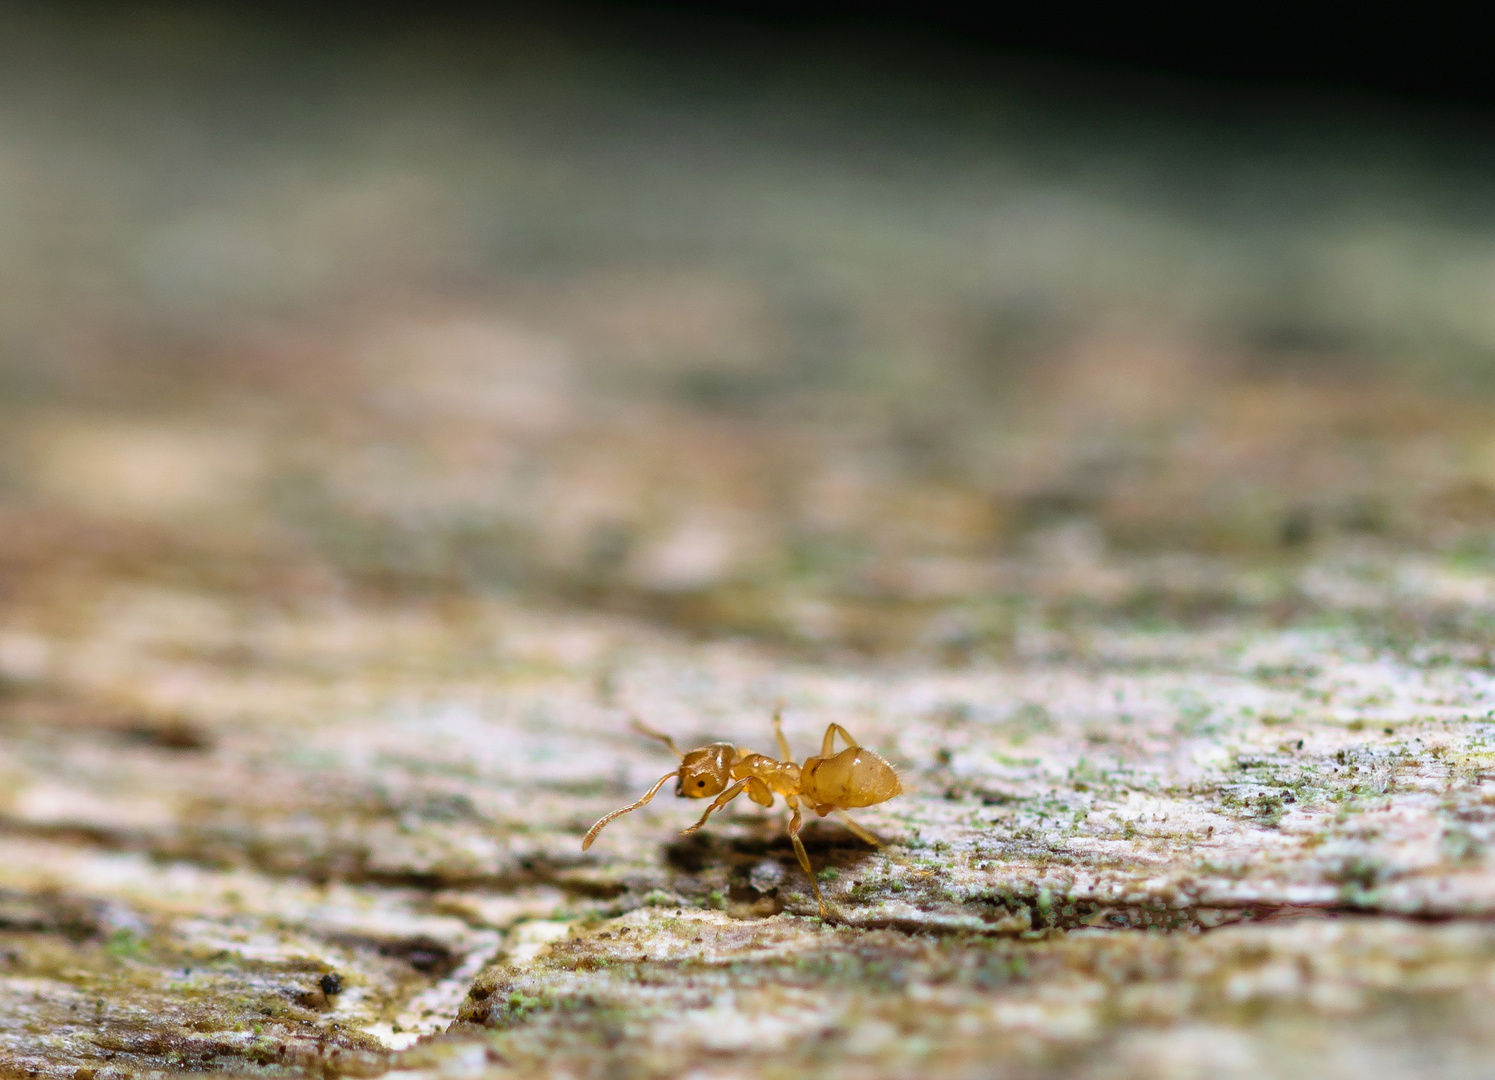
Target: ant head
x,y
706,772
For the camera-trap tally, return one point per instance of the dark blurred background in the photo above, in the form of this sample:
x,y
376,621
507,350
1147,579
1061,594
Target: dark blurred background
x,y
832,326
1433,51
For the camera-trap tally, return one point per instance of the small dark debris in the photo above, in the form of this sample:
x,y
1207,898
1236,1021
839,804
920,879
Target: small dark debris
x,y
1296,529
332,983
425,955
169,733
1357,870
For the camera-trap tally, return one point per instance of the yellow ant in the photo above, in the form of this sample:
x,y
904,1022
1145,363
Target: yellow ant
x,y
831,782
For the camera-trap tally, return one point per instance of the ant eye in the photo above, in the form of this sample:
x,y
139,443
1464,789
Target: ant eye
x,y
700,783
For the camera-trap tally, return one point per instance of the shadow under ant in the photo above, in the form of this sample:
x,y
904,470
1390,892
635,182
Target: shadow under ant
x,y
754,866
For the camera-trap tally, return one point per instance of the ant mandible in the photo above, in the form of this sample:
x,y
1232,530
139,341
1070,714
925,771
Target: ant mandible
x,y
831,782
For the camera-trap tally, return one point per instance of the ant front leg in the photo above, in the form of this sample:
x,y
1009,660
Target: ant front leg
x,y
721,800
804,856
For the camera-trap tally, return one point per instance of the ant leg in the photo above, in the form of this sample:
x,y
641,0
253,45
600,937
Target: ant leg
x,y
804,859
857,830
721,800
648,732
758,791
828,747
785,754
591,835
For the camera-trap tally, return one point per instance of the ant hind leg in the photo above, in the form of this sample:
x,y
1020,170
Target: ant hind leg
x,y
857,830
828,746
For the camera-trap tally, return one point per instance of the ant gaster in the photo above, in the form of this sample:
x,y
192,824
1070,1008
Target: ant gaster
x,y
831,782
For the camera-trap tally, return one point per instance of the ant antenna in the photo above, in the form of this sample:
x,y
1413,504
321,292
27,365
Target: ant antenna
x,y
586,841
645,730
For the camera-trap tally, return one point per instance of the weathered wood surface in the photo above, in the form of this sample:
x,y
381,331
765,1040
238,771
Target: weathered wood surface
x,y
208,810
321,621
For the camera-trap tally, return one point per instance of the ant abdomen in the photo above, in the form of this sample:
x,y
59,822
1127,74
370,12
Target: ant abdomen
x,y
854,777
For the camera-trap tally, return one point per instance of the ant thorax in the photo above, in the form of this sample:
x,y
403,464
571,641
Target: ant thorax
x,y
782,777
